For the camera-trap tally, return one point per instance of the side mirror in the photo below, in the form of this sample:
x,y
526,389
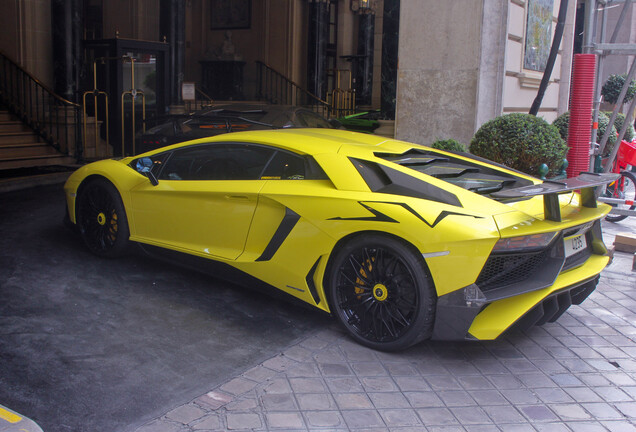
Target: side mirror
x,y
144,166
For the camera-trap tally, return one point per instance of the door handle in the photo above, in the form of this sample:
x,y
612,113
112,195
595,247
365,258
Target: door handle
x,y
238,197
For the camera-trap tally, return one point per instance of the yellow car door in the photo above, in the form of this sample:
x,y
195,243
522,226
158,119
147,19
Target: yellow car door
x,y
204,201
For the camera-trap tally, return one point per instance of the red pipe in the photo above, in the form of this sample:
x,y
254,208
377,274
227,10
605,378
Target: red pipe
x,y
581,99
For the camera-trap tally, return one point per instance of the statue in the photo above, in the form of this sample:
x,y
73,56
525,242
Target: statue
x,y
228,50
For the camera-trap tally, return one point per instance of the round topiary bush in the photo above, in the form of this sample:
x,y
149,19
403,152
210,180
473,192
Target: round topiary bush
x,y
449,145
612,89
563,120
618,124
520,141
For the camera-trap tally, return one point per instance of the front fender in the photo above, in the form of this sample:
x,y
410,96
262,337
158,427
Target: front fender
x,y
118,173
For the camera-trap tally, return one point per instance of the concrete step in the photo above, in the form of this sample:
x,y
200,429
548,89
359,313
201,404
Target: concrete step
x,y
33,161
8,138
20,147
13,126
9,151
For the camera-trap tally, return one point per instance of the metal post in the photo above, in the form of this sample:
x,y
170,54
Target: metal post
x,y
626,123
621,97
317,40
597,91
589,29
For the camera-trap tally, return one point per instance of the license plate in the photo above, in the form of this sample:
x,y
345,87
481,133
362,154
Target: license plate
x,y
575,244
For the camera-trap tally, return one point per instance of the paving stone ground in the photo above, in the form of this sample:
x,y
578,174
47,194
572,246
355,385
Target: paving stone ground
x,y
578,374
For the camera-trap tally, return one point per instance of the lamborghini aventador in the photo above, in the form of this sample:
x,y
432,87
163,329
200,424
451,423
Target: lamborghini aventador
x,y
398,241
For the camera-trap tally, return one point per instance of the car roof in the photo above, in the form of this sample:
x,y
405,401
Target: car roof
x,y
311,141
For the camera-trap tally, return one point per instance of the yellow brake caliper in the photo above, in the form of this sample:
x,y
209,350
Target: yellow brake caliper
x,y
112,229
363,273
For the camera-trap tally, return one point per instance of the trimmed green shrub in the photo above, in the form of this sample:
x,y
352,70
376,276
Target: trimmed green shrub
x,y
612,89
520,141
562,121
618,124
449,145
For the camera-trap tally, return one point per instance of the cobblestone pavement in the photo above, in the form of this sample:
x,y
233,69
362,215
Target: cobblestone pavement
x,y
576,374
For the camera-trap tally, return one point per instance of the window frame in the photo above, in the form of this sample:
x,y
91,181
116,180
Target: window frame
x,y
312,170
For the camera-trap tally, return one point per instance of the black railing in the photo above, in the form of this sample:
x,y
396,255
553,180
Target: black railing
x,y
52,117
276,88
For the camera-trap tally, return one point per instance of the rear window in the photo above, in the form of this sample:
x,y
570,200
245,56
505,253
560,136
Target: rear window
x,y
465,174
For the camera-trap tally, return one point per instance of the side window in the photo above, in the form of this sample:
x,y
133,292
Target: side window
x,y
223,161
285,166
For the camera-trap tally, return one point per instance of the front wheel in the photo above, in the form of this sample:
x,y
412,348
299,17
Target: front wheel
x,y
101,219
381,293
624,188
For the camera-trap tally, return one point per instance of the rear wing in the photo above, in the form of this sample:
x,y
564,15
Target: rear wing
x,y
585,182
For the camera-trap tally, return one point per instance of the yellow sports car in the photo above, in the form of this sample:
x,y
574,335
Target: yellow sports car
x,y
398,241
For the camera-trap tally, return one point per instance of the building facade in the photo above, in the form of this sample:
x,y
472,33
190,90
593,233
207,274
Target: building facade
x,y
438,69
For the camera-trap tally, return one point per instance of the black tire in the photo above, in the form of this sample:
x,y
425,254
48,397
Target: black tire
x,y
101,219
381,292
628,193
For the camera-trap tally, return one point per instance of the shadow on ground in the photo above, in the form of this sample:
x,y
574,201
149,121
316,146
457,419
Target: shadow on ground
x,y
105,345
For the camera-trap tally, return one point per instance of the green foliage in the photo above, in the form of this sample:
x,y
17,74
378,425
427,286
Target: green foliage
x,y
520,141
563,120
618,124
449,145
612,89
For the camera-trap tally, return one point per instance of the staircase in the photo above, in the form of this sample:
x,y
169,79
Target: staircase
x,y
276,88
21,147
37,127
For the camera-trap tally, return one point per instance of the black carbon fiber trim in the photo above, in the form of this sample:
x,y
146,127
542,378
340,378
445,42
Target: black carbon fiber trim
x,y
440,217
311,284
286,225
383,179
378,216
553,306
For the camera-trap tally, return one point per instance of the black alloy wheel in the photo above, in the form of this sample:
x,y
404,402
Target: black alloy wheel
x,y
101,219
381,293
628,192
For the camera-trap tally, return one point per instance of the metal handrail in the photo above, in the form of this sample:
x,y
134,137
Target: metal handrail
x,y
202,100
37,81
276,88
205,95
55,119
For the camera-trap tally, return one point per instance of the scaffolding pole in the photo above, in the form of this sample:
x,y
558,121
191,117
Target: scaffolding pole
x,y
602,49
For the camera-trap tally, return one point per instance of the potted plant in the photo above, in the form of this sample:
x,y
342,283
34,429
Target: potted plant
x,y
563,121
522,142
449,145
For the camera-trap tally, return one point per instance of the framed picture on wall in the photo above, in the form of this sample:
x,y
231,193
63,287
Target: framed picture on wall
x,y
230,14
538,34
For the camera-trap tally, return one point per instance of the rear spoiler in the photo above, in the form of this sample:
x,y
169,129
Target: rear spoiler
x,y
585,182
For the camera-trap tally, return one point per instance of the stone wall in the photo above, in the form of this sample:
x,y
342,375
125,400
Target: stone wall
x,y
438,75
461,64
25,36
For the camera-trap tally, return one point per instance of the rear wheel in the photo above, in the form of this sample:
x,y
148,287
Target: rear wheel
x,y
101,219
627,192
381,293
